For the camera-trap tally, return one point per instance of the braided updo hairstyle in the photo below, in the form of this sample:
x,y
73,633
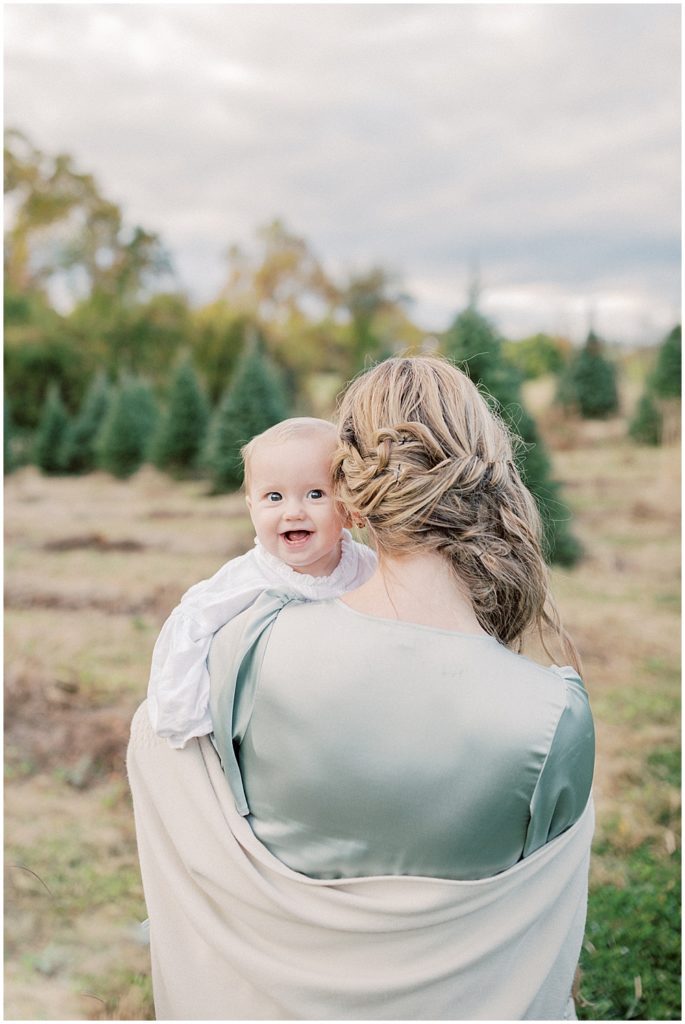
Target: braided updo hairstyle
x,y
425,463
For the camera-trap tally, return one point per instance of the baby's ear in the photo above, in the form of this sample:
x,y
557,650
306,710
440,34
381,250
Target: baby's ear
x,y
248,502
344,515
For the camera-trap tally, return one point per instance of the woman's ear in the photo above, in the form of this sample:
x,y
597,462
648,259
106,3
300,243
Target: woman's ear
x,y
349,519
353,521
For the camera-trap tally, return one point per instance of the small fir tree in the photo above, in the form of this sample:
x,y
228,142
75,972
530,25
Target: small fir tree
x,y
473,343
254,401
589,382
7,431
78,450
655,410
645,426
124,438
51,431
666,381
182,430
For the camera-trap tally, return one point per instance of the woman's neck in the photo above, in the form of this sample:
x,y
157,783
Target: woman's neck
x,y
420,588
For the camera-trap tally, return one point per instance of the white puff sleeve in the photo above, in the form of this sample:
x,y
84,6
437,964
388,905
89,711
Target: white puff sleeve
x,y
178,689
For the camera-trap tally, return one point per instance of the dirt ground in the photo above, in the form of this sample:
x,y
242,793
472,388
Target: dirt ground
x,y
92,568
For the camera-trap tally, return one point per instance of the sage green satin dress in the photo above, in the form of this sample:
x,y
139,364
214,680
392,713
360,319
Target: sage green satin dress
x,y
362,746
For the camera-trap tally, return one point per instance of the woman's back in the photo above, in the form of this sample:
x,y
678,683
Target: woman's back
x,y
376,747
358,744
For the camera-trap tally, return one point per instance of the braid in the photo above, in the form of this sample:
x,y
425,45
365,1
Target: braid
x,y
445,479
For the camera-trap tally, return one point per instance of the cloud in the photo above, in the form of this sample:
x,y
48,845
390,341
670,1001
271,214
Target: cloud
x,y
543,139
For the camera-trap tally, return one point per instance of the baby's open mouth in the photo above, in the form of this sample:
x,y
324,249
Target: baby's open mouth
x,y
296,536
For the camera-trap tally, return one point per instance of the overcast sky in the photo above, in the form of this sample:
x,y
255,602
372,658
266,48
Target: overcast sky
x,y
540,141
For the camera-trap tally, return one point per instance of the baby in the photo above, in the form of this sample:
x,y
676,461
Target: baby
x,y
300,542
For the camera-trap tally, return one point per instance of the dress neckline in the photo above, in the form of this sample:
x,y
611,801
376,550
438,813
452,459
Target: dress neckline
x,y
413,625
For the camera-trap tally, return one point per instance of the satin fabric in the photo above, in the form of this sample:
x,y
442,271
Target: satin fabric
x,y
360,746
178,689
236,935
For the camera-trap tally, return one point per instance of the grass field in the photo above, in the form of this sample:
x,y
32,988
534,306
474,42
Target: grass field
x,y
92,568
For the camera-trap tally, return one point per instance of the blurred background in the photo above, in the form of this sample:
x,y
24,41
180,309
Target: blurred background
x,y
217,214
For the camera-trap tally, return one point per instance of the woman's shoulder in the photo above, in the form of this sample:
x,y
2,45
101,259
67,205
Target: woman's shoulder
x,y
564,679
572,694
331,620
249,624
335,621
576,716
337,612
573,733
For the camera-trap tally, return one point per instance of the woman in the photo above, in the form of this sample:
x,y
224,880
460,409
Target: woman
x,y
411,819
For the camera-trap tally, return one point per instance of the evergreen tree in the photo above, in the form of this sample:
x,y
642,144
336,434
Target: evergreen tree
x,y
78,453
50,433
537,355
662,390
666,380
124,438
183,428
589,382
254,401
473,343
645,425
7,431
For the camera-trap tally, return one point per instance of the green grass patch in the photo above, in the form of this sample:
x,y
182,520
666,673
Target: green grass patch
x,y
665,764
82,878
122,994
661,668
17,766
632,951
641,705
669,599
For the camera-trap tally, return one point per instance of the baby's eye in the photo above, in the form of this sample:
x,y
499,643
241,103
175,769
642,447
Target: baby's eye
x,y
274,496
315,493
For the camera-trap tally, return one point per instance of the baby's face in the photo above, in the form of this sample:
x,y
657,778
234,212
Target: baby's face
x,y
291,503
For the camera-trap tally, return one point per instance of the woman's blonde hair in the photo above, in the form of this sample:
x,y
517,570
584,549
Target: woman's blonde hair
x,y
424,462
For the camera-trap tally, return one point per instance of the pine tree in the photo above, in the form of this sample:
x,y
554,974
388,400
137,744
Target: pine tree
x,y
666,381
182,430
659,405
589,382
7,431
50,434
472,342
124,438
646,424
78,453
254,401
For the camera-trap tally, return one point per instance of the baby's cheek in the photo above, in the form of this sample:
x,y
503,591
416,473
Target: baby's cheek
x,y
335,520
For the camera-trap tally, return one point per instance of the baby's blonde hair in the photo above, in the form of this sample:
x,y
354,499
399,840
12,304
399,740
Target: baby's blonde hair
x,y
425,462
284,431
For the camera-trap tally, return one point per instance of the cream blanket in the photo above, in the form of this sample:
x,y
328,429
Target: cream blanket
x,y
236,935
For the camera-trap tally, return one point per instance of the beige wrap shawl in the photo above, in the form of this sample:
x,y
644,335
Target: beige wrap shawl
x,y
237,935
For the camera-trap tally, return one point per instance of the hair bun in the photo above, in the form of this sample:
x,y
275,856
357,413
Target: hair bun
x,y
427,465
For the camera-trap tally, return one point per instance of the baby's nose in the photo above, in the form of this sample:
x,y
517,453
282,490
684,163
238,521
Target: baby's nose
x,y
293,510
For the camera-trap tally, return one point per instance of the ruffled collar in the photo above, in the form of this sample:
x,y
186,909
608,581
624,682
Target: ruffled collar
x,y
343,573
